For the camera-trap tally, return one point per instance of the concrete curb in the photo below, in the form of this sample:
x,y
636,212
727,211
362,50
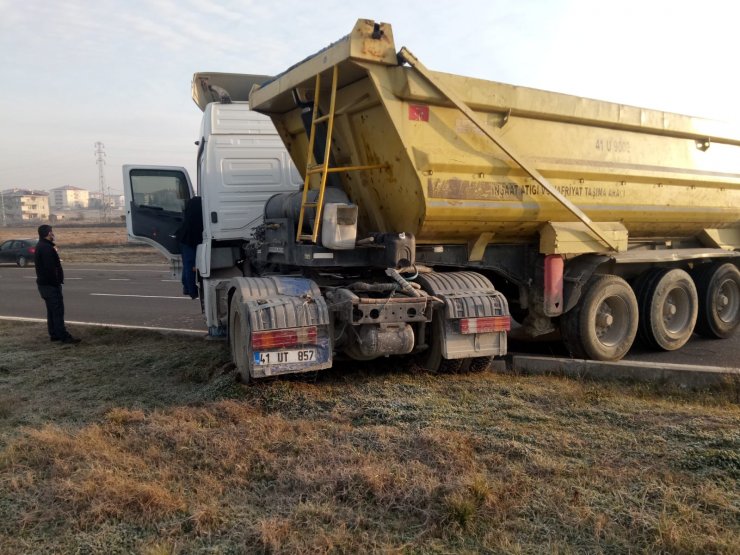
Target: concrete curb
x,y
683,375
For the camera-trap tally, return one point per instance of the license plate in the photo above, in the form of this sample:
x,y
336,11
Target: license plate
x,y
286,356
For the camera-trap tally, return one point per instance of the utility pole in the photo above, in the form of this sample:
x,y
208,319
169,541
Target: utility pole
x,y
2,203
104,193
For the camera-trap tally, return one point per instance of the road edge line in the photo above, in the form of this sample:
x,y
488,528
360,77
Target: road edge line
x,y
104,325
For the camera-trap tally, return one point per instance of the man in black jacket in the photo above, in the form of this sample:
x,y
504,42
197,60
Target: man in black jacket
x,y
49,278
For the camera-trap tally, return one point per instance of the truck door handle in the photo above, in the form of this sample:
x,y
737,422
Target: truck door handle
x,y
214,218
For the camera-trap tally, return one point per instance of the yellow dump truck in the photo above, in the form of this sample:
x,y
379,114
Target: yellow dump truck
x,y
435,206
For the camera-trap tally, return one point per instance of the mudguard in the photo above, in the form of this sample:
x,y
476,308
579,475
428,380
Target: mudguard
x,y
278,302
467,295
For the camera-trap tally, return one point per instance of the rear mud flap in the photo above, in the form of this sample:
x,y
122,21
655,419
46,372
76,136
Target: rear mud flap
x,y
467,295
283,303
458,345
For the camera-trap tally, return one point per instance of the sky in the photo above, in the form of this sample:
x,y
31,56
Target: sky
x,y
76,72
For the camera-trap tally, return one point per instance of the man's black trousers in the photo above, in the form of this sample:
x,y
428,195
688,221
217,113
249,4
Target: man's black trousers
x,y
52,296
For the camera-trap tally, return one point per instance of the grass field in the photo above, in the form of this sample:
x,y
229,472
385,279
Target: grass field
x,y
134,442
90,243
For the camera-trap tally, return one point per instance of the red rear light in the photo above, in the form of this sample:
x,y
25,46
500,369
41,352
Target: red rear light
x,y
485,325
31,250
278,339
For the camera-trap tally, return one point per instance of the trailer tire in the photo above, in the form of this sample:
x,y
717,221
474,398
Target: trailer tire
x,y
603,325
431,359
641,286
668,307
718,286
238,333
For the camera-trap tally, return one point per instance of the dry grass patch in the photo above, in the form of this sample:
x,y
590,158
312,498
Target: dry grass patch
x,y
147,458
91,243
73,235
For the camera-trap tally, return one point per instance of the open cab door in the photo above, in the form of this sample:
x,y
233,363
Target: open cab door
x,y
155,199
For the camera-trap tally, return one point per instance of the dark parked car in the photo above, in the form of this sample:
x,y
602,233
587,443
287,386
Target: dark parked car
x,y
19,251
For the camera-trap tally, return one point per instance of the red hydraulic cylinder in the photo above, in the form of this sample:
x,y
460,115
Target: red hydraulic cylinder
x,y
554,265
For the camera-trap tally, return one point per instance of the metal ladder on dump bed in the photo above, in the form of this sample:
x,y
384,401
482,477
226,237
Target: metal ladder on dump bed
x,y
322,169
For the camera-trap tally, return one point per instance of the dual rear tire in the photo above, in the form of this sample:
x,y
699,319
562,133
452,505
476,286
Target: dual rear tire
x,y
238,344
603,325
663,311
669,305
441,284
432,360
718,287
674,304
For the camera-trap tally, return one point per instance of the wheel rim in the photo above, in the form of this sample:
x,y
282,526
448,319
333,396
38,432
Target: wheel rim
x,y
727,301
612,321
676,311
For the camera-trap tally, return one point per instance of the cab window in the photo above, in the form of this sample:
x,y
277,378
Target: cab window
x,y
161,190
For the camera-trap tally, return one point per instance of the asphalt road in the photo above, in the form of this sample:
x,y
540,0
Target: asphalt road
x,y
699,351
135,295
146,295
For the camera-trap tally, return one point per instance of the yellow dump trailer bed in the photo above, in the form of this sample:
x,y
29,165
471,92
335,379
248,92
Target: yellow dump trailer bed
x,y
445,179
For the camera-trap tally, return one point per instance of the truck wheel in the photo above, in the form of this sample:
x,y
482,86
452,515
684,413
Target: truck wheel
x,y
668,305
432,359
718,286
603,325
480,364
22,261
238,333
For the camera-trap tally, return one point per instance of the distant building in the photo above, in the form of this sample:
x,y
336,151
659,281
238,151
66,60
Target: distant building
x,y
23,205
94,211
96,200
76,215
69,197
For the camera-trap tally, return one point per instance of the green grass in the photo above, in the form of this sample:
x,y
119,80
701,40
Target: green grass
x,y
138,442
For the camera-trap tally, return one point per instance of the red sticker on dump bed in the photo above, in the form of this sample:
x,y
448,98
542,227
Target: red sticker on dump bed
x,y
418,112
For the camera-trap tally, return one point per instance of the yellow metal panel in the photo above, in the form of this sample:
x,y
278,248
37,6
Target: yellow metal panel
x,y
358,45
522,161
372,42
728,239
575,238
477,246
524,102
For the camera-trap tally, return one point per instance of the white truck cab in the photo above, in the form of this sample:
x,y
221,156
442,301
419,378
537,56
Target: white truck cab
x,y
241,163
288,297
